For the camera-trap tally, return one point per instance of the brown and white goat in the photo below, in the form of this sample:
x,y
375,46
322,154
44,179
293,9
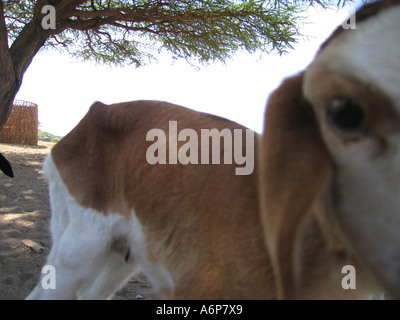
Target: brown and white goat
x,y
330,162
329,178
193,229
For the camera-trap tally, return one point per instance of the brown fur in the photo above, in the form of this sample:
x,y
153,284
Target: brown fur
x,y
292,152
297,181
306,251
201,221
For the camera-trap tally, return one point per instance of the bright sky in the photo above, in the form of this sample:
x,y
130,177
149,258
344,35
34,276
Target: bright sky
x,y
65,89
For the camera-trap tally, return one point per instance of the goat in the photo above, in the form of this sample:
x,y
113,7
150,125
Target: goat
x,y
188,227
330,162
201,232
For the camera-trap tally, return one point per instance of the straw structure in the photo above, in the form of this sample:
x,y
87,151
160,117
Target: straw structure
x,y
22,124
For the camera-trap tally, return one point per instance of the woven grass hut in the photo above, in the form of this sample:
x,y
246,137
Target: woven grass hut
x,y
22,124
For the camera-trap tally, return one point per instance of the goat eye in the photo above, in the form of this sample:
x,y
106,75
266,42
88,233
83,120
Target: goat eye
x,y
346,114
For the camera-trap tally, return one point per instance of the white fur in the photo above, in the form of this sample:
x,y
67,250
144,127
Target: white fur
x,y
368,188
367,171
370,53
86,264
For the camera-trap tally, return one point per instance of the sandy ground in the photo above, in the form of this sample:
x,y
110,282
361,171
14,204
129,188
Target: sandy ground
x,y
25,214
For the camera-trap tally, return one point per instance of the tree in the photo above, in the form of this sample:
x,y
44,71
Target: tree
x,y
134,31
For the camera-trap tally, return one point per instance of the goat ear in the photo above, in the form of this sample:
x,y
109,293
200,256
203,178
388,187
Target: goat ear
x,y
5,166
294,169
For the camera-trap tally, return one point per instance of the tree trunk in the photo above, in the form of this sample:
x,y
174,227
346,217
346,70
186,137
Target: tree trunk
x,y
8,90
8,84
14,61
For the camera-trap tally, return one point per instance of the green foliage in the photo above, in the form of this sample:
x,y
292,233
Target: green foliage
x,y
46,136
134,32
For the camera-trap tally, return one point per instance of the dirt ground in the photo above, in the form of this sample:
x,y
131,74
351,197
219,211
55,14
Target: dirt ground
x,y
25,215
